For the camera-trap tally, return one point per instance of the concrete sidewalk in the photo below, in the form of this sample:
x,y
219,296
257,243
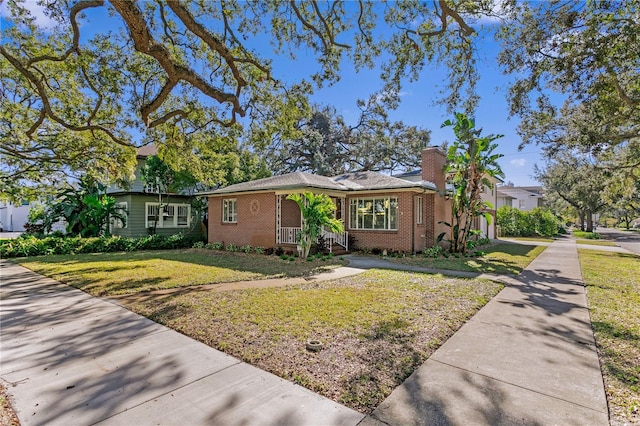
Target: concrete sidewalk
x,y
70,359
527,357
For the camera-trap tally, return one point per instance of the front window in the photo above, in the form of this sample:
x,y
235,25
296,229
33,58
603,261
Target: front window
x,y
230,211
170,215
374,213
183,215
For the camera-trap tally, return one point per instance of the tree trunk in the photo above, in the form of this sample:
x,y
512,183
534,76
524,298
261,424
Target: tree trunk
x,y
581,216
589,222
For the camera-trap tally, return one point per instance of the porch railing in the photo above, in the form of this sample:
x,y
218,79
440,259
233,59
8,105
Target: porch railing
x,y
342,239
288,235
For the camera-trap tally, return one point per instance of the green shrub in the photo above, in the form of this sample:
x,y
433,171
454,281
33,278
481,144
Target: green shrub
x,y
471,244
259,250
198,244
29,245
231,247
246,249
517,223
434,251
215,246
587,235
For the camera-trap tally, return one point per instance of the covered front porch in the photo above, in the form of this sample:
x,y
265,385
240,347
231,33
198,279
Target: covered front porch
x,y
289,223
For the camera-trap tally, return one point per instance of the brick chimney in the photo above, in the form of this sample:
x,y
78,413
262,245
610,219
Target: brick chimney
x,y
433,162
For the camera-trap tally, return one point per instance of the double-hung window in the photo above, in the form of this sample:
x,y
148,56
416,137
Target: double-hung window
x,y
374,213
170,215
230,211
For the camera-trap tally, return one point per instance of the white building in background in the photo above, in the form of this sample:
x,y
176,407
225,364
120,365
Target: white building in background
x,y
489,195
14,216
520,197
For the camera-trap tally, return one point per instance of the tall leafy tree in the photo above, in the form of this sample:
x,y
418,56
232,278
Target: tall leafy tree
x,y
577,181
325,145
471,163
173,71
317,212
577,79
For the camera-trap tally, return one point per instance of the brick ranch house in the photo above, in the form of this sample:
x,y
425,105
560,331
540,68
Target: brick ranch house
x,y
379,211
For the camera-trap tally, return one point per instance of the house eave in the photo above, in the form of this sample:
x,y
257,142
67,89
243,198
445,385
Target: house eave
x,y
331,192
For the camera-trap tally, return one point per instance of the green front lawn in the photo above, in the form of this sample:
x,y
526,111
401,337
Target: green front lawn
x,y
377,327
532,239
613,291
597,243
107,274
502,258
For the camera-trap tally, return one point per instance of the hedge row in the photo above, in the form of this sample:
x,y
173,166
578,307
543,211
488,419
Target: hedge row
x,y
32,246
517,223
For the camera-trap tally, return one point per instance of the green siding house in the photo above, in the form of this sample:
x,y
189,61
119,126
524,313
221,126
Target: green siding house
x,y
141,203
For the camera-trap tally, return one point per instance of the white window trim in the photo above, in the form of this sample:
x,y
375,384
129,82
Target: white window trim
x,y
229,217
354,201
162,223
419,210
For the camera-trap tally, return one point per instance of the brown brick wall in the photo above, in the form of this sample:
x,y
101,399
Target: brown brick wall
x,y
257,227
256,221
289,213
433,161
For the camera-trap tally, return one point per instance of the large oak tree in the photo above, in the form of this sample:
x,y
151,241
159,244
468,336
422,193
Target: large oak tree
x,y
577,74
82,97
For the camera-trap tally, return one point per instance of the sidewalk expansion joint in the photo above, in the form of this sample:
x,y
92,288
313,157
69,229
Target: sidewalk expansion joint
x,y
520,387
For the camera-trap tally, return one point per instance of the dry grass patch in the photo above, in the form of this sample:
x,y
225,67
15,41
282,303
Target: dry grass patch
x,y
613,291
108,274
377,327
502,258
7,414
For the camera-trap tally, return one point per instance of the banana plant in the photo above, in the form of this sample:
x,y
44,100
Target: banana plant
x,y
471,162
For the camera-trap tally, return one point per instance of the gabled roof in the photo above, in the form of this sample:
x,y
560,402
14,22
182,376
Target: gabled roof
x,y
146,151
504,195
356,181
532,191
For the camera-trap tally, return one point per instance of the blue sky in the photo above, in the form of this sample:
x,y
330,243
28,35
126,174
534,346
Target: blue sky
x,y
417,105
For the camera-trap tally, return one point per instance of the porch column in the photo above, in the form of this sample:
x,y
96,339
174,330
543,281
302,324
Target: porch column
x,y
278,219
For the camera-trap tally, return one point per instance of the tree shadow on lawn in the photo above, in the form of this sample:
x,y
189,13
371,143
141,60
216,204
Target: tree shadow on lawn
x,y
619,346
242,262
481,264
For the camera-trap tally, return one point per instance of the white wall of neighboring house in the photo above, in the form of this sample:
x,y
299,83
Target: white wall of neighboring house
x,y
14,216
523,198
490,196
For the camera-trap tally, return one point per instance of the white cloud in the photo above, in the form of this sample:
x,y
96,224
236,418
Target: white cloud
x,y
36,10
519,162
